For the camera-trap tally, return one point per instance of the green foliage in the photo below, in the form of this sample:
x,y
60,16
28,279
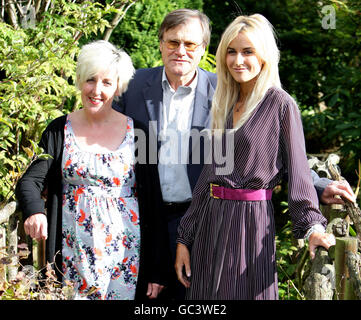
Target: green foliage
x,y
319,66
326,80
37,72
138,34
208,62
286,251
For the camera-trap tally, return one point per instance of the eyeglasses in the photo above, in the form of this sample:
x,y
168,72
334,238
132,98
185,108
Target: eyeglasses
x,y
174,44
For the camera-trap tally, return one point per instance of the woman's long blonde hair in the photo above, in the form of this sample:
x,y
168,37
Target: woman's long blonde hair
x,y
260,32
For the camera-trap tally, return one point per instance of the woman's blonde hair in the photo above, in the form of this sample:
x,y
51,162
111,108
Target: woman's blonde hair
x,y
99,56
260,32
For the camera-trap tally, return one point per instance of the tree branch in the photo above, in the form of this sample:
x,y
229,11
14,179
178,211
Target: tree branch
x,y
353,265
352,209
11,10
2,10
118,17
37,6
19,9
7,211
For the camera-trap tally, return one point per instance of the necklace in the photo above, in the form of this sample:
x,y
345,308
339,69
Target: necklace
x,y
238,106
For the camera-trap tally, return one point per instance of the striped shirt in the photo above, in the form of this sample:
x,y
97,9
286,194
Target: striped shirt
x,y
175,125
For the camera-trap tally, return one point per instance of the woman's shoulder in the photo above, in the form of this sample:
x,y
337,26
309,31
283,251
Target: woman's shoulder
x,y
281,95
57,124
280,99
53,134
286,106
280,102
120,119
58,121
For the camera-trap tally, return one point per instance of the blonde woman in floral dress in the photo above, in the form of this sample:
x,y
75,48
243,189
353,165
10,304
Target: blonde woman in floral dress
x,y
93,214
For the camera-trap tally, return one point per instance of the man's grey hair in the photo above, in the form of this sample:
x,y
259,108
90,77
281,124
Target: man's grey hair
x,y
181,16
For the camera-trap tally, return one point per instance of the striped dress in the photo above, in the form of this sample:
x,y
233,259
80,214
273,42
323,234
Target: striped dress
x,y
233,242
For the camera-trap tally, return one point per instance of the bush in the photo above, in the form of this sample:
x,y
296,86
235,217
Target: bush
x,y
37,71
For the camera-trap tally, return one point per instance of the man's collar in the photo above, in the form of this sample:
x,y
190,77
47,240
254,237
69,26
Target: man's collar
x,y
192,85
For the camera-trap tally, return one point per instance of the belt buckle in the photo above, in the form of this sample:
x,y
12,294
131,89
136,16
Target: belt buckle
x,y
168,204
211,190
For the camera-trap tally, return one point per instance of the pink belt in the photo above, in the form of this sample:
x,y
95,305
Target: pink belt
x,y
219,192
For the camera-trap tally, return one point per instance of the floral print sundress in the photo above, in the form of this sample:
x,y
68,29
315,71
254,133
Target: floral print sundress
x,y
100,223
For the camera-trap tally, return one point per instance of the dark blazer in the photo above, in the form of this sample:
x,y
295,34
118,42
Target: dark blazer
x,y
143,101
46,174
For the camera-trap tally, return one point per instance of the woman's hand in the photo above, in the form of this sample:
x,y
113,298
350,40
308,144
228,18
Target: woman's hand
x,y
317,239
183,260
36,226
153,290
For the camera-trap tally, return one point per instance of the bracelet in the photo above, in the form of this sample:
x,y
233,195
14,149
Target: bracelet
x,y
315,227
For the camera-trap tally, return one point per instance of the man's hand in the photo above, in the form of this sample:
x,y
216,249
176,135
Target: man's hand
x,y
183,260
153,290
337,188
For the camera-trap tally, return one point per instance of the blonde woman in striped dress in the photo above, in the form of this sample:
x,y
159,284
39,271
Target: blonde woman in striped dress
x,y
226,240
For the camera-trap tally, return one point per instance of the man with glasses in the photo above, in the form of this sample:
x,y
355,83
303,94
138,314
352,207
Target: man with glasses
x,y
177,97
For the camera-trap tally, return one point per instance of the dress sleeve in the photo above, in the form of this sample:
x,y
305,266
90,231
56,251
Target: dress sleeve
x,y
188,224
302,197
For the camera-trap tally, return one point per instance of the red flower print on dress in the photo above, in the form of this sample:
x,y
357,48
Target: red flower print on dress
x,y
83,286
134,216
67,163
116,181
133,268
82,217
